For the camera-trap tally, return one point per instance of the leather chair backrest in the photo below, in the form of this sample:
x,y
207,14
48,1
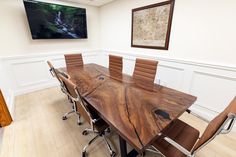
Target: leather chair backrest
x,y
115,63
50,65
73,91
145,69
73,60
215,124
54,71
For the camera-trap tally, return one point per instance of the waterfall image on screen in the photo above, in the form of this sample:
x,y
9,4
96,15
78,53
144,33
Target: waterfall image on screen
x,y
53,21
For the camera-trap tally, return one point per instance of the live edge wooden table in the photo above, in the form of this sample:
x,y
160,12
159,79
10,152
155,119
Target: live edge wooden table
x,y
129,105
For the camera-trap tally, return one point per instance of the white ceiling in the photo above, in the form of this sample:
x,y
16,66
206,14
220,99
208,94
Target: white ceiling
x,y
91,2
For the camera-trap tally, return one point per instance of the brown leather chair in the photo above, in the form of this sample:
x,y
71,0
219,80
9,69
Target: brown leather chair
x,y
65,79
54,72
145,69
98,126
73,60
115,63
181,140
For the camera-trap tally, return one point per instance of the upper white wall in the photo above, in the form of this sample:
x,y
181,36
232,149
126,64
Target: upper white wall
x,y
16,38
202,31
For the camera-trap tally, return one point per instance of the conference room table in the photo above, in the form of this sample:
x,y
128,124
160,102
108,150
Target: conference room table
x,y
137,110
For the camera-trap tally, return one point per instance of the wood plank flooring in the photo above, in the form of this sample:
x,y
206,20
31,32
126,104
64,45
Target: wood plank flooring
x,y
39,131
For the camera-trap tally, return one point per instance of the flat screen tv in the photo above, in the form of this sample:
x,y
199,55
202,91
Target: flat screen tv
x,y
53,21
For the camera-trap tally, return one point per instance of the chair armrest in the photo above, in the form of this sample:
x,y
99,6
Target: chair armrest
x,y
63,74
178,146
198,116
50,70
72,98
92,122
95,120
230,121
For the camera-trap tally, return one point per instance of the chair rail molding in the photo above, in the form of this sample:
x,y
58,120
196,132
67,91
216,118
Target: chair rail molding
x,y
131,55
29,72
213,84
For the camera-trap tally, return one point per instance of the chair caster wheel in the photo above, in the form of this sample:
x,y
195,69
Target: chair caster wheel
x,y
83,154
144,154
79,123
113,154
64,118
85,132
108,130
71,101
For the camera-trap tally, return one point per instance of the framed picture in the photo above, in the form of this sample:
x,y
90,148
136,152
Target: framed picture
x,y
151,25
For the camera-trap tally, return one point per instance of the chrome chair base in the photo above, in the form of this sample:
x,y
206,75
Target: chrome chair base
x,y
64,117
88,130
154,150
85,132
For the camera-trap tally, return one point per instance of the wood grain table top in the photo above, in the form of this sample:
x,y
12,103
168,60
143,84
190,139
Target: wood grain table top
x,y
129,105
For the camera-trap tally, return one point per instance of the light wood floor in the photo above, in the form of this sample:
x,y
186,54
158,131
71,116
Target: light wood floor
x,y
38,131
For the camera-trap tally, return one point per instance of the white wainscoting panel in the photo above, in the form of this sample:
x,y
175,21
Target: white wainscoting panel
x,y
213,90
28,76
28,73
170,76
214,85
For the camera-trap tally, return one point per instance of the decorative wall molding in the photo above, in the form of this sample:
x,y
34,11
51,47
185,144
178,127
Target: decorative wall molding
x,y
203,80
174,60
172,67
215,75
211,99
48,54
29,72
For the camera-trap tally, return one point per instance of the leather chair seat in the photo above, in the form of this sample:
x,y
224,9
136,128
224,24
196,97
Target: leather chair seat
x,y
180,132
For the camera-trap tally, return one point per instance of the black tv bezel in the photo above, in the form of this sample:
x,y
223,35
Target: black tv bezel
x,y
33,1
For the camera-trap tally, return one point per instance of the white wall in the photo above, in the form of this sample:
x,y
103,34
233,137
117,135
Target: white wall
x,y
213,85
202,30
201,55
200,60
16,38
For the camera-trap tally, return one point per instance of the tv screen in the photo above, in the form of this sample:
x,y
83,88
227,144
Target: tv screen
x,y
53,21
